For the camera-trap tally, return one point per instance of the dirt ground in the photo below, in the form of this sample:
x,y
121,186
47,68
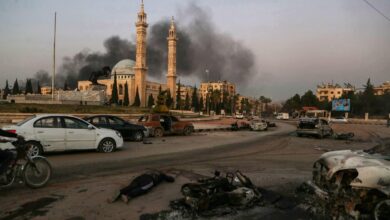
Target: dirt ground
x,y
275,160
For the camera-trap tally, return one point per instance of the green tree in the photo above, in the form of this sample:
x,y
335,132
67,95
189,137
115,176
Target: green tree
x,y
368,98
137,100
178,97
187,102
309,99
169,99
6,90
150,101
15,88
66,87
126,100
195,100
39,88
114,94
28,87
201,104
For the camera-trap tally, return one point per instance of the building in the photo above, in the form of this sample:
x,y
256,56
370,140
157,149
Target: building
x,y
134,73
46,90
224,86
332,91
382,89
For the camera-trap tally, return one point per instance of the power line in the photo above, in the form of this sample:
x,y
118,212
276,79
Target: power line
x,y
377,10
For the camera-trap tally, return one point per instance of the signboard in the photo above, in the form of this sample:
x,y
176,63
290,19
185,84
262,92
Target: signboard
x,y
343,105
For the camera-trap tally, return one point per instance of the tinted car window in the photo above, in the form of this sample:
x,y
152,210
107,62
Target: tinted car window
x,y
115,121
75,123
174,119
50,122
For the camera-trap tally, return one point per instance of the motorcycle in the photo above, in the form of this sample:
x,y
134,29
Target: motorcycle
x,y
35,171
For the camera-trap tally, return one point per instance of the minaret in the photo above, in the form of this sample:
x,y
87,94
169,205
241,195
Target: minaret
x,y
171,74
140,68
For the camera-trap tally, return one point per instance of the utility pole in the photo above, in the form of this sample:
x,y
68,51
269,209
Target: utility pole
x,y
54,58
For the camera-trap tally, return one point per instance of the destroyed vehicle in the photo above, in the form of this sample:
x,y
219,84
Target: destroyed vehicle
x,y
339,119
160,125
258,125
354,183
234,190
314,127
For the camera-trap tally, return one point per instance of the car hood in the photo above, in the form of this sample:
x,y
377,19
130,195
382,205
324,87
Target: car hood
x,y
373,169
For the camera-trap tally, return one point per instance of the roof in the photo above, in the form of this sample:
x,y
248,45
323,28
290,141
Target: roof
x,y
124,67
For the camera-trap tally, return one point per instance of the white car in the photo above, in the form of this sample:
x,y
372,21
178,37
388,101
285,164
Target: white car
x,y
49,132
258,125
339,120
239,116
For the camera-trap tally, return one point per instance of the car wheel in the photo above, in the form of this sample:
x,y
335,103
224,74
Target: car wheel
x,y
382,210
187,131
158,132
35,149
107,145
138,136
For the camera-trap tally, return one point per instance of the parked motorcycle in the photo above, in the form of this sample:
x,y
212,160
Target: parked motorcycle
x,y
35,171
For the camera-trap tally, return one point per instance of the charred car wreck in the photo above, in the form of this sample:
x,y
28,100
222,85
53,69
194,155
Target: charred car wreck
x,y
354,184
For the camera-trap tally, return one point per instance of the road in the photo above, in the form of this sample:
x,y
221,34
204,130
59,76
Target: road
x,y
276,160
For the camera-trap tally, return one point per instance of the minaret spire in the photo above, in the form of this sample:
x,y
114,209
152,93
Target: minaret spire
x,y
171,73
140,67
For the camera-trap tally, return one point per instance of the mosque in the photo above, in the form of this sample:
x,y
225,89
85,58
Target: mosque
x,y
134,73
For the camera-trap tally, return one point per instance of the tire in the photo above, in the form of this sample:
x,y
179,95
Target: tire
x,y
107,145
158,132
187,131
138,136
36,149
382,210
37,173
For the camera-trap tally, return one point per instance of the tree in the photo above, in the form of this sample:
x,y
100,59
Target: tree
x,y
195,100
114,94
137,100
161,107
150,101
6,90
29,88
187,102
169,99
201,104
309,99
368,98
178,96
66,87
39,88
15,88
126,101
264,100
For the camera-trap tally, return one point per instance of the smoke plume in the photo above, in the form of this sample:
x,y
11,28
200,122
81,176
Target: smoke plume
x,y
200,47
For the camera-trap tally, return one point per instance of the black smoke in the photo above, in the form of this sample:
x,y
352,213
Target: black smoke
x,y
200,47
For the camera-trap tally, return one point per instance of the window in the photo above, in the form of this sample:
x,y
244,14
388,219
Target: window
x,y
174,118
155,118
74,123
115,121
120,89
49,122
324,122
99,120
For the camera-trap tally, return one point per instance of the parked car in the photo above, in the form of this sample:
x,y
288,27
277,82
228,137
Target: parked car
x,y
129,131
49,132
258,125
357,181
340,119
239,116
161,124
314,126
282,116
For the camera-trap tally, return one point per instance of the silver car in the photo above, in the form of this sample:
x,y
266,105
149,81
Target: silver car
x,y
314,127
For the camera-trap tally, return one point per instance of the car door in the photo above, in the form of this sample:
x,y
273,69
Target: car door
x,y
50,133
78,135
177,127
325,127
119,125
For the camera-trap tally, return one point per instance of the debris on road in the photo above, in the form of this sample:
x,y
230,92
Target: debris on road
x,y
141,185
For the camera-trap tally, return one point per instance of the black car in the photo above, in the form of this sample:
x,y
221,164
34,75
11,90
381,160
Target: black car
x,y
128,130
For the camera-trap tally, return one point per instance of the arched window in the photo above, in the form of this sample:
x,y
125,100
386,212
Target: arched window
x,y
120,89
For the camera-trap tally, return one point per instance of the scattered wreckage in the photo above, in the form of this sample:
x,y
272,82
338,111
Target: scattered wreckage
x,y
353,184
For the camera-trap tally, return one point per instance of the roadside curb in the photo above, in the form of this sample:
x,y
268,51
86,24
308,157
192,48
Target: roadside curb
x,y
212,129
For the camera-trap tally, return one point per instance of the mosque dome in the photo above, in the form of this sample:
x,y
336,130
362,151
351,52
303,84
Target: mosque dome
x,y
123,68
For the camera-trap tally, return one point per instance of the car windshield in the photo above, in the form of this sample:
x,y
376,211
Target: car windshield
x,y
25,120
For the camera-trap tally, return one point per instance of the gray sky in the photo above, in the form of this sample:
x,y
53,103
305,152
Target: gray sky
x,y
298,43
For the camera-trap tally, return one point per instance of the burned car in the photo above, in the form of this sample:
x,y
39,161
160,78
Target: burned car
x,y
354,184
314,127
161,124
258,125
